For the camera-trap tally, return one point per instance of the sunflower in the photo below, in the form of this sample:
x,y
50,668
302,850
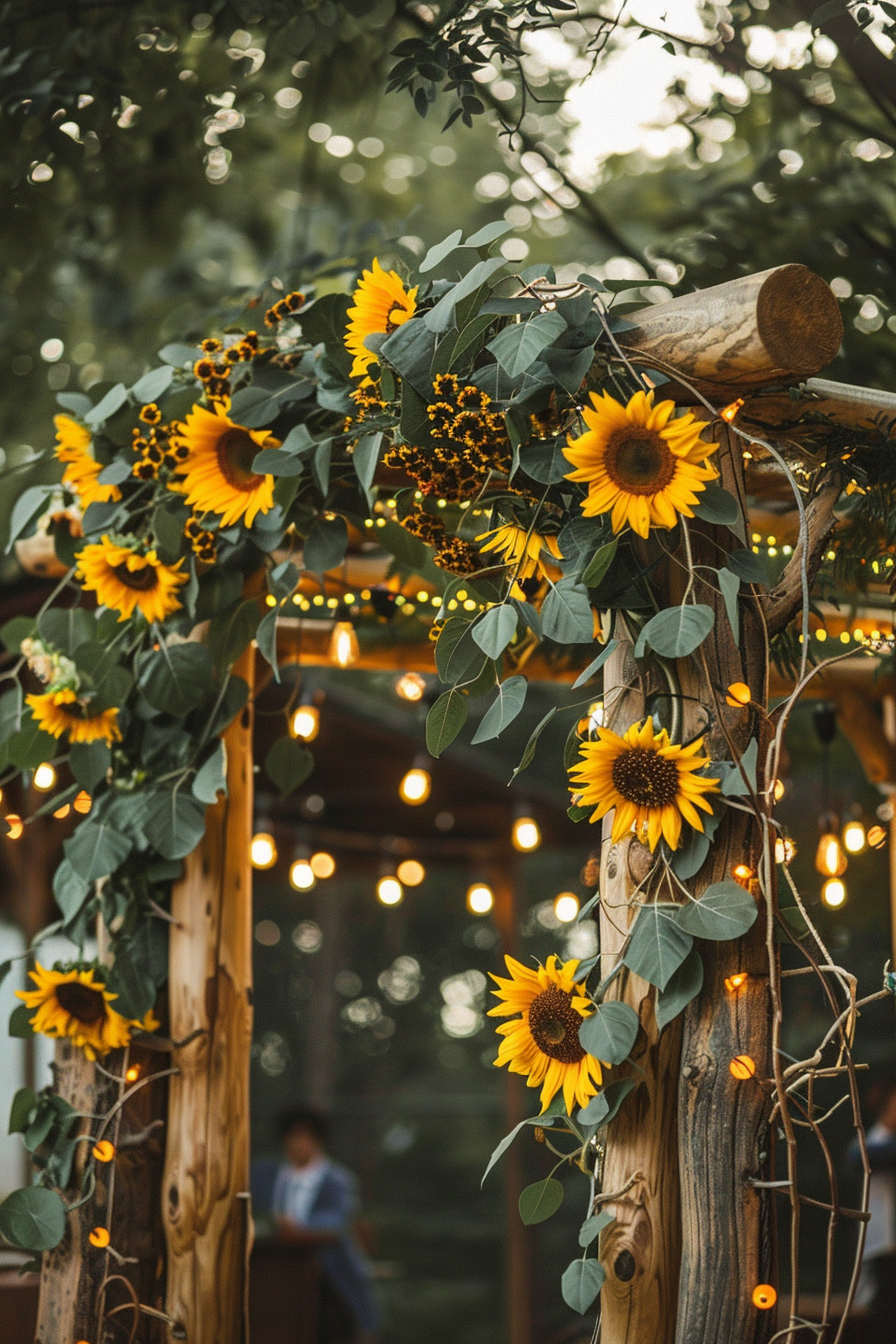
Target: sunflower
x,y
123,579
60,712
651,782
381,304
73,443
522,550
642,467
75,1004
544,1041
216,475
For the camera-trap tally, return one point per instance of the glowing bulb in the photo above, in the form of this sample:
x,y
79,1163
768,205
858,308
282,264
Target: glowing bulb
x,y
877,837
734,982
480,898
785,849
830,860
104,1151
133,1073
389,891
344,650
301,875
833,893
83,802
741,873
410,686
526,834
730,411
62,812
44,778
306,722
778,790
738,694
596,716
323,865
410,872
742,1067
99,1237
263,850
566,907
854,837
764,1296
415,787
15,824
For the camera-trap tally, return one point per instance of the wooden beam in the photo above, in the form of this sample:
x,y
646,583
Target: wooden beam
x,y
778,326
853,407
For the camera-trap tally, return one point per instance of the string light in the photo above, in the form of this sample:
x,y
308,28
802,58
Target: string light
x,y
44,778
323,865
410,872
306,723
99,1237
738,695
742,1067
410,685
730,411
833,893
83,802
526,835
734,982
480,898
566,907
785,849
15,824
764,1296
854,837
301,875
742,873
389,891
877,837
416,786
262,850
344,648
133,1073
62,812
830,860
104,1151
778,789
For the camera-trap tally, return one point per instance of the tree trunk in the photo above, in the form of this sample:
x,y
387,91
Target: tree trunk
x,y
205,1192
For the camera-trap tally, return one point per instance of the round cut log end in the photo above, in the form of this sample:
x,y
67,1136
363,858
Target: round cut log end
x,y
799,320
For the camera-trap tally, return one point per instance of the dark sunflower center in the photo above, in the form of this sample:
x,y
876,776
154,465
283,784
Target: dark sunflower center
x,y
83,1003
644,778
74,709
237,451
142,579
639,461
554,1025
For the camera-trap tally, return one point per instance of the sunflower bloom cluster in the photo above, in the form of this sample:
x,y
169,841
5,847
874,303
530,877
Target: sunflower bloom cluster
x,y
283,308
542,1040
203,543
73,1003
152,442
653,784
525,553
74,443
59,709
451,553
469,442
127,579
216,473
641,465
381,304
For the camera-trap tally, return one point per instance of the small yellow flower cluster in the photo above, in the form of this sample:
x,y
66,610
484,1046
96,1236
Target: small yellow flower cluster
x,y
285,307
154,445
201,540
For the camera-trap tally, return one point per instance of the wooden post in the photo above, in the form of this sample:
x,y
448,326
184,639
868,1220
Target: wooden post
x,y
205,1189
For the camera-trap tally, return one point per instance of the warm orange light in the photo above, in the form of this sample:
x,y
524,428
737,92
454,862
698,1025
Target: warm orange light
x,y
133,1073
738,695
830,860
785,849
344,649
15,824
99,1237
410,686
779,790
731,410
410,872
104,1151
877,837
742,873
62,812
742,1067
480,898
526,834
305,723
322,864
416,786
764,1296
734,982
83,802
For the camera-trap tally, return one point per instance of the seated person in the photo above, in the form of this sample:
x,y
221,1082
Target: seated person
x,y
314,1203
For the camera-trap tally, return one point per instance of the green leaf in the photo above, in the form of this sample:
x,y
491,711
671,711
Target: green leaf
x,y
152,385
602,1108
566,614
231,633
109,683
540,1201
544,462
581,1283
13,632
658,944
676,632
459,658
89,762
30,746
179,354
554,1111
517,347
730,586
70,890
96,849
33,1218
321,465
176,677
174,823
325,545
748,567
113,401
732,782
529,754
136,991
440,318
503,710
439,251
717,505
494,630
599,564
445,720
20,1022
610,1032
274,462
595,665
256,407
725,910
168,520
684,985
488,234
29,504
266,639
288,764
211,777
10,718
67,627
469,340
593,1226
23,1103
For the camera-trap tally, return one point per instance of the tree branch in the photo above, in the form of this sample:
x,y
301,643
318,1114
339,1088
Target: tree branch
x,y
783,601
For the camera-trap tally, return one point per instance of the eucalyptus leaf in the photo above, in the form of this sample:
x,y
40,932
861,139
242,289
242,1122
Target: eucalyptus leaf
x,y
174,823
70,890
107,406
610,1032
717,505
595,665
325,545
33,1218
517,346
683,986
724,910
445,720
540,1201
544,461
153,384
503,710
175,677
748,567
730,586
566,614
29,504
529,754
96,849
211,777
677,631
89,762
440,318
599,564
581,1283
593,1226
545,1121
439,251
495,629
288,764
658,944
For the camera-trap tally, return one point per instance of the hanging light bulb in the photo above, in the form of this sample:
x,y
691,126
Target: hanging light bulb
x,y
566,907
854,836
480,898
344,649
263,850
410,686
83,802
785,849
62,812
15,824
833,893
876,837
830,860
410,872
323,865
389,891
734,982
526,834
44,778
779,788
305,722
301,875
416,786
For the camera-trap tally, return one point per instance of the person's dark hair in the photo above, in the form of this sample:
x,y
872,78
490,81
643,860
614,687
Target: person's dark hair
x,y
305,1117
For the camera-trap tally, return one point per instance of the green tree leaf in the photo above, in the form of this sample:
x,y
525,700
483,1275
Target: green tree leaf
x,y
540,1201
517,347
676,632
566,615
23,1104
658,944
581,1283
503,710
325,545
211,777
96,849
288,764
725,910
495,629
174,823
610,1032
33,1218
445,720
599,563
593,1226
684,985
730,586
175,677
748,567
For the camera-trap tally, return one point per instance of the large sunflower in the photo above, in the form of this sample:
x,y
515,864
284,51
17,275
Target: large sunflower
x,y
60,712
381,304
73,443
544,1042
651,782
642,467
523,552
217,475
125,579
76,1005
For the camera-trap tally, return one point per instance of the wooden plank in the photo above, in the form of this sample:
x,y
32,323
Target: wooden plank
x,y
205,1199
